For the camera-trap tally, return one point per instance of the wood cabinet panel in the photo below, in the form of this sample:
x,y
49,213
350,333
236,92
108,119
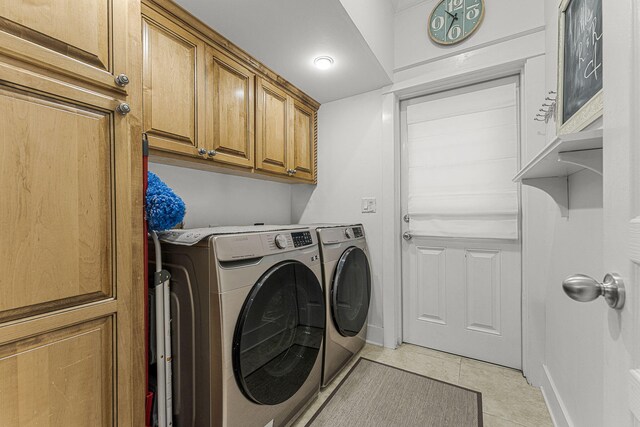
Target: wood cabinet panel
x,y
173,76
86,39
56,184
61,378
230,110
77,29
272,128
303,143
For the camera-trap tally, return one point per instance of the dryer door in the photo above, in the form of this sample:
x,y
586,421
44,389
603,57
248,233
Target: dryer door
x,y
351,292
279,333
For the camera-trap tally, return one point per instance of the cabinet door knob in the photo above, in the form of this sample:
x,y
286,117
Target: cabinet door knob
x,y
123,109
211,153
122,80
584,288
293,171
202,151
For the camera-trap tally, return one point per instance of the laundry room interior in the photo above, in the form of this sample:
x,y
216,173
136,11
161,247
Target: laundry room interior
x,y
320,213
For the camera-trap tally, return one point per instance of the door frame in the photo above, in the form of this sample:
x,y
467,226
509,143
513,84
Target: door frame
x,y
501,59
467,88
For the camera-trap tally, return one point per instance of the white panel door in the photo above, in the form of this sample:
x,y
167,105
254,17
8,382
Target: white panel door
x,y
462,265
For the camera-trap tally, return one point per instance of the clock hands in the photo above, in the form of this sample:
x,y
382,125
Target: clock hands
x,y
455,18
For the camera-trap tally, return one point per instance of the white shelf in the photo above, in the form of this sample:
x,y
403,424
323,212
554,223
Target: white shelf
x,y
565,155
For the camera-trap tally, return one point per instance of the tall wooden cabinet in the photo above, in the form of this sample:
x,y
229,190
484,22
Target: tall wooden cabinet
x,y
209,105
71,291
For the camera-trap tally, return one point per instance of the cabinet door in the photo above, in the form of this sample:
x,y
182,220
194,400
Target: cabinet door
x,y
230,110
71,250
173,77
56,181
61,378
272,128
82,39
303,141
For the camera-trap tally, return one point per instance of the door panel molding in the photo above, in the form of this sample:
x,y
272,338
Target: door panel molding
x,y
483,288
431,302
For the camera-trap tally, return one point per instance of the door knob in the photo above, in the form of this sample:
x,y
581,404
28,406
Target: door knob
x,y
584,288
407,236
202,151
123,109
122,80
211,153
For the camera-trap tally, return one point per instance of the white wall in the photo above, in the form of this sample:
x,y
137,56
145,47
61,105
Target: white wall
x,y
374,19
503,20
572,375
219,199
574,331
349,163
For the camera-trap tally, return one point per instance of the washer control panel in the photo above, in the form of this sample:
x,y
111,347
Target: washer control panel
x,y
357,232
280,241
302,238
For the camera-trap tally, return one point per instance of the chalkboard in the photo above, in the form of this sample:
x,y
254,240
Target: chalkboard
x,y
582,54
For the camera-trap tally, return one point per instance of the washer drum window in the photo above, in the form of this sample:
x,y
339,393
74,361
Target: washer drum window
x,y
279,333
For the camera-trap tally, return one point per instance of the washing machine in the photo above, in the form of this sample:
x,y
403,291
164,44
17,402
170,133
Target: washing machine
x,y
248,322
347,289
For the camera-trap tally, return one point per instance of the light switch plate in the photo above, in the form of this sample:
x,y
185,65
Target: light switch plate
x,y
368,205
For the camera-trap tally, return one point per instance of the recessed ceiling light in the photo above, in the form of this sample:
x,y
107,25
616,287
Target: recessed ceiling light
x,y
323,62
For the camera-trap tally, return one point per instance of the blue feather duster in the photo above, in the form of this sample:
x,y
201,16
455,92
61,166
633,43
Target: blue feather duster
x,y
164,208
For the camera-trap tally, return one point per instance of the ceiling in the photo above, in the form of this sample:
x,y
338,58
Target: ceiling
x,y
286,35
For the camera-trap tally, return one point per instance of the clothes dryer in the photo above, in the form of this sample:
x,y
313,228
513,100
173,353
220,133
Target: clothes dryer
x,y
347,288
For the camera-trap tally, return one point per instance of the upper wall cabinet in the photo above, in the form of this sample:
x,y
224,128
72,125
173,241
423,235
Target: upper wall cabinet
x,y
230,110
173,72
303,141
85,40
272,129
209,105
286,142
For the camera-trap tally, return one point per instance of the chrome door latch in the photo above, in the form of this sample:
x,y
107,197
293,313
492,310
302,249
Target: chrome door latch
x,y
584,288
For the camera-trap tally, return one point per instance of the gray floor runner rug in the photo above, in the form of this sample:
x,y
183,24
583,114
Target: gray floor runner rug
x,y
375,394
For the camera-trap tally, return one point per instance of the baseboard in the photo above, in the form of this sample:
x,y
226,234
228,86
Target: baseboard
x,y
375,335
557,409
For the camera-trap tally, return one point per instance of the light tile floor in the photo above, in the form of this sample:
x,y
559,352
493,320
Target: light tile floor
x,y
507,399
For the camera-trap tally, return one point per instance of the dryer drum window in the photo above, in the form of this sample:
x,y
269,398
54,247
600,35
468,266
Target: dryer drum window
x,y
351,292
279,333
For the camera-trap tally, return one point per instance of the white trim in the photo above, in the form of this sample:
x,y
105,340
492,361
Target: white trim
x,y
557,409
391,270
472,48
375,335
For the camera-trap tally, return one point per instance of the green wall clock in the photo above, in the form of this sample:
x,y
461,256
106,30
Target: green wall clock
x,y
452,21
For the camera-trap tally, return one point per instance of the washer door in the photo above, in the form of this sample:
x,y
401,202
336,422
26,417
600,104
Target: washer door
x,y
279,333
351,292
